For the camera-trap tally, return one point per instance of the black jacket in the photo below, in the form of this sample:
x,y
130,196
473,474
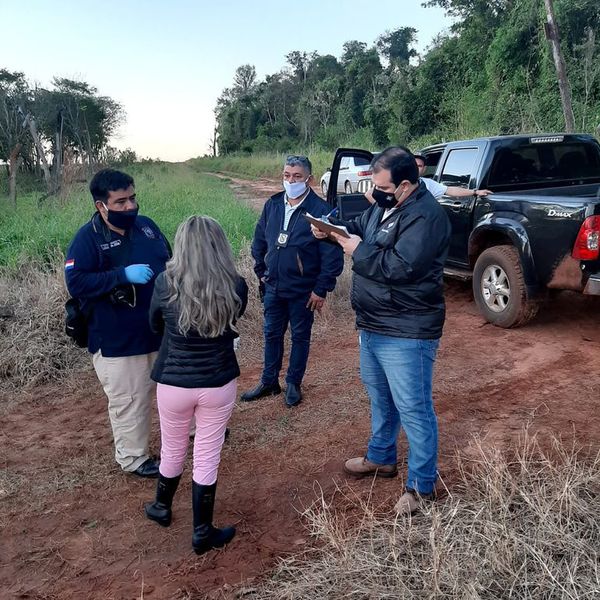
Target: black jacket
x,y
304,265
397,284
191,361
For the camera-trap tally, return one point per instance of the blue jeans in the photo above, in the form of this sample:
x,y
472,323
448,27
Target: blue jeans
x,y
397,373
279,312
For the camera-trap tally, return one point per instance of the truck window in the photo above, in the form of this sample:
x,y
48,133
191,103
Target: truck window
x,y
530,165
459,167
431,162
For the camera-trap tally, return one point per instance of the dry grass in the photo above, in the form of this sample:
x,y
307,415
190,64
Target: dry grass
x,y
519,526
250,325
33,346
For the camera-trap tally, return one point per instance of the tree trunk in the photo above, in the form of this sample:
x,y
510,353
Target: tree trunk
x,y
13,166
561,70
30,121
58,153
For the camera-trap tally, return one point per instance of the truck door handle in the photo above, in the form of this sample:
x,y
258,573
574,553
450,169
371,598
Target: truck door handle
x,y
457,204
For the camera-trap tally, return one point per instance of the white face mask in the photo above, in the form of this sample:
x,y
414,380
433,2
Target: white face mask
x,y
294,190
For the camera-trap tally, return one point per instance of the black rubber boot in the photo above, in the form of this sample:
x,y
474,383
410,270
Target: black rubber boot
x,y
160,509
206,537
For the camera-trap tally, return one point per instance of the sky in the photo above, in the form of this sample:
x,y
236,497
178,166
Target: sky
x,y
167,63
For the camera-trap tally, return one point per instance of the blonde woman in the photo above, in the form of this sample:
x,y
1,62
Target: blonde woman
x,y
195,305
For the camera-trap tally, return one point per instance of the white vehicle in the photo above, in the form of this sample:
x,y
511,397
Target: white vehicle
x,y
353,171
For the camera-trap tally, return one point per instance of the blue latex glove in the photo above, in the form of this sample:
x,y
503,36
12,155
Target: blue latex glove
x,y
138,273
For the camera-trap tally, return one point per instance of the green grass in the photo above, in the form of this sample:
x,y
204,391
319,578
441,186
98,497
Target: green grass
x,y
259,165
167,193
270,164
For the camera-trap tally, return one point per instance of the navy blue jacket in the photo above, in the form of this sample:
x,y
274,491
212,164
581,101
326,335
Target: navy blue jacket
x,y
397,284
95,265
305,264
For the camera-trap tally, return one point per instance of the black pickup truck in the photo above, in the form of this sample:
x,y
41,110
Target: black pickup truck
x,y
539,230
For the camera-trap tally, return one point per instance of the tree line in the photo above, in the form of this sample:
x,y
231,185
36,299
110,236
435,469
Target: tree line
x,y
492,72
55,133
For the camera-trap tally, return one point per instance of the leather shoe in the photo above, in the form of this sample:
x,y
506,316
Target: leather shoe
x,y
362,467
260,391
149,468
293,395
411,501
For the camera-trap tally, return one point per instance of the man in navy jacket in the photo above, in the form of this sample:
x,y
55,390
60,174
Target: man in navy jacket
x,y
295,273
110,268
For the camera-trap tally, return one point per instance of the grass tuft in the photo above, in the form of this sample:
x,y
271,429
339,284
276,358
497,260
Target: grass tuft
x,y
517,525
33,346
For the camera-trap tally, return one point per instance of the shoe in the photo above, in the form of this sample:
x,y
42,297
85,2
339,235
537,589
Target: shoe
x,y
205,536
411,501
260,391
160,509
293,395
363,467
149,468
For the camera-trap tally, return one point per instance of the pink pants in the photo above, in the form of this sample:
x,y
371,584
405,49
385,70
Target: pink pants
x,y
212,408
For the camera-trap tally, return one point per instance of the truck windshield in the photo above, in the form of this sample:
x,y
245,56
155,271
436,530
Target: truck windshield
x,y
526,165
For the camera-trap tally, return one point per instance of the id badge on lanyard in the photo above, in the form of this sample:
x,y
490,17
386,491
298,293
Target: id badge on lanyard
x,y
283,238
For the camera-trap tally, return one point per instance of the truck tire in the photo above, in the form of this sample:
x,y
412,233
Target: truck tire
x,y
499,288
348,187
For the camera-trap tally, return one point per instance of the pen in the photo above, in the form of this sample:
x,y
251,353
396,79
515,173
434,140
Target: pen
x,y
333,213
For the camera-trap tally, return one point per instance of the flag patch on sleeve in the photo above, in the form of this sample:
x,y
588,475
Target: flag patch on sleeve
x,y
69,264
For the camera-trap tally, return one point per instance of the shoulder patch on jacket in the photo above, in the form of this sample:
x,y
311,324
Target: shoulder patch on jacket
x,y
148,232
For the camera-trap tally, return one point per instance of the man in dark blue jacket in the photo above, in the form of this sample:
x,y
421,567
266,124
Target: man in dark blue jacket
x,y
295,273
110,268
398,248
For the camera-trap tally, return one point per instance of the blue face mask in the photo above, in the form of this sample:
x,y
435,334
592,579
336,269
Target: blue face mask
x,y
294,190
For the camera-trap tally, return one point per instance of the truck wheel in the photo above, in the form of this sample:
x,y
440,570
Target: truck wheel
x,y
324,189
348,187
499,288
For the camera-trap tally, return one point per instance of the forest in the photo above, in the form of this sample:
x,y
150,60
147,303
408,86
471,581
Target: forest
x,y
55,134
490,72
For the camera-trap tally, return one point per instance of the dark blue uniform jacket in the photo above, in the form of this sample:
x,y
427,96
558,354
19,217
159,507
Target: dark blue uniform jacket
x,y
305,264
95,265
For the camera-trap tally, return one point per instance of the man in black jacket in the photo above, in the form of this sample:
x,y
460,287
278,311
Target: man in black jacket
x,y
398,248
295,273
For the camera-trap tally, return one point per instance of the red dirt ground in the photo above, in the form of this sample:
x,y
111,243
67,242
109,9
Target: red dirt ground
x,y
72,523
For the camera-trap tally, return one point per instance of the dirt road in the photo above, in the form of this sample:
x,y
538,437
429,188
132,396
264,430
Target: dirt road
x,y
73,526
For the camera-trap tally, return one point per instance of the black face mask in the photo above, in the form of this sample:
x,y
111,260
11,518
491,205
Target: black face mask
x,y
122,219
384,199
